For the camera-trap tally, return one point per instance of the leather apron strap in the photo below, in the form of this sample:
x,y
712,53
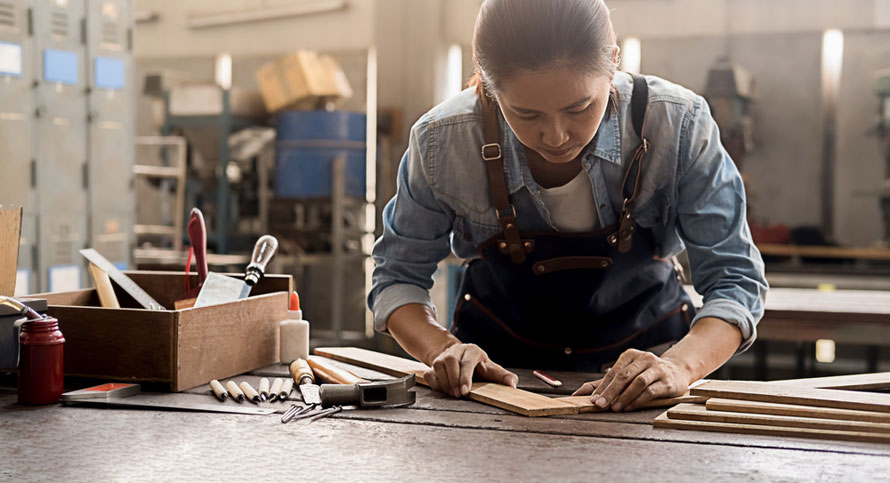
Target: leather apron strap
x,y
494,161
630,186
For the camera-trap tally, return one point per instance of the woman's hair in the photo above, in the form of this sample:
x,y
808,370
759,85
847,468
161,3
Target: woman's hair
x,y
513,35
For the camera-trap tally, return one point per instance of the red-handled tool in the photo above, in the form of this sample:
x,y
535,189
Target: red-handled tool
x,y
197,232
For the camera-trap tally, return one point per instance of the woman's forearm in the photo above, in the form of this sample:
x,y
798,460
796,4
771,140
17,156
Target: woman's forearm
x,y
415,328
706,347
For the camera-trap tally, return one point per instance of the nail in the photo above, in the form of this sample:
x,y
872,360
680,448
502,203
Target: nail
x,y
602,402
617,407
464,389
455,392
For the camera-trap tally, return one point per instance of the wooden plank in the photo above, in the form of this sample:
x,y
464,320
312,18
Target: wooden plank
x,y
766,392
698,412
10,233
862,382
107,298
734,405
663,422
516,400
586,406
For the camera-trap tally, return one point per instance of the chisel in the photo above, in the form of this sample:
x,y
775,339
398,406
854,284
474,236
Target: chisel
x,y
305,379
276,388
264,389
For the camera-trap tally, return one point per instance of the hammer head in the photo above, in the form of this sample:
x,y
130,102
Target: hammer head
x,y
391,394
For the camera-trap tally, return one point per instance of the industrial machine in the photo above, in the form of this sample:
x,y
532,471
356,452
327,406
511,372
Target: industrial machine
x,y
882,89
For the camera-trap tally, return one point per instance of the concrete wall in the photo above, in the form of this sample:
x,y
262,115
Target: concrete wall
x,y
860,166
784,169
169,36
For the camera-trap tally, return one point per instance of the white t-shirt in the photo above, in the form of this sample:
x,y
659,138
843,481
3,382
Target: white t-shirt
x,y
572,206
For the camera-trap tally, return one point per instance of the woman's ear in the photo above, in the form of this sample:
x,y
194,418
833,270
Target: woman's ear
x,y
616,55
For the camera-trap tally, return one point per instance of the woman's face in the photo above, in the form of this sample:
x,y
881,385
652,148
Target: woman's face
x,y
554,111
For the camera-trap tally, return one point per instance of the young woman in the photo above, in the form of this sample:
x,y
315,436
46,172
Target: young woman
x,y
567,186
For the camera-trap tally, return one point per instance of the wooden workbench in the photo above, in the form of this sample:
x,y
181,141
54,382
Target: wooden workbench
x,y
437,439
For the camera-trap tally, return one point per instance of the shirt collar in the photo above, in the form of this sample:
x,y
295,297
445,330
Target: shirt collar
x,y
606,145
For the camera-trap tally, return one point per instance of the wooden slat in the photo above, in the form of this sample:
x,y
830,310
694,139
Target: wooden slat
x,y
584,404
697,412
516,400
862,382
10,231
664,422
734,405
759,391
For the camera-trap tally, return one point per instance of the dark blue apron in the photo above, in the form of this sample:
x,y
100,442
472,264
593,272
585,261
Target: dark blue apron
x,y
569,301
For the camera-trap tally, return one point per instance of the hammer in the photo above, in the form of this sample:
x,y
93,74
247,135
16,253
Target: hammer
x,y
392,394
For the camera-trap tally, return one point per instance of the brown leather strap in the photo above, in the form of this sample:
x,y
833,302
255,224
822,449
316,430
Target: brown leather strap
x,y
623,238
570,263
494,161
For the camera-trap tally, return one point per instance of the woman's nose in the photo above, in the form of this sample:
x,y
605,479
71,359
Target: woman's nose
x,y
555,135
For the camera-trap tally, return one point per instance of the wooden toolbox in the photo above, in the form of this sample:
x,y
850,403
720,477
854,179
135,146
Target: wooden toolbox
x,y
179,348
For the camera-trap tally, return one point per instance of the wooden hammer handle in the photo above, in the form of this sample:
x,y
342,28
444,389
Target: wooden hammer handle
x,y
329,373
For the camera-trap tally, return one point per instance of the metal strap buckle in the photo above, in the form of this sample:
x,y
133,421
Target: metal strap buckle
x,y
492,146
498,214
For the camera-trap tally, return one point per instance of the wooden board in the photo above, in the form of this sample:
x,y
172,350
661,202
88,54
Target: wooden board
x,y
664,422
698,412
864,382
586,406
734,405
766,392
10,232
516,400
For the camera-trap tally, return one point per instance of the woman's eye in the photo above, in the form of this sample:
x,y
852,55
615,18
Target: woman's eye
x,y
580,111
531,117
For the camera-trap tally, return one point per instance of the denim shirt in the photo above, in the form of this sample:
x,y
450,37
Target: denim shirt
x,y
691,197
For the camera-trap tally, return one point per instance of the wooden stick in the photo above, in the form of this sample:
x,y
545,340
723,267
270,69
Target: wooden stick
x,y
511,399
331,374
697,412
10,234
107,298
765,392
733,405
664,422
586,406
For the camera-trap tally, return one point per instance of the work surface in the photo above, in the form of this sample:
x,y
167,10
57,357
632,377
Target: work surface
x,y
436,439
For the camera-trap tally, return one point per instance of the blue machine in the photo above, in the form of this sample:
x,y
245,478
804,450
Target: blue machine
x,y
307,144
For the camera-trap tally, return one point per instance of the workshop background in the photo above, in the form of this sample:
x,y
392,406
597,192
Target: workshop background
x,y
290,117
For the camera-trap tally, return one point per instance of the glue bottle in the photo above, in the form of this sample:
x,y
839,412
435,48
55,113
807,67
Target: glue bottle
x,y
41,374
294,333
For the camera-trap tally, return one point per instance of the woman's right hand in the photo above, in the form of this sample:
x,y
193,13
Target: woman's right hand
x,y
452,370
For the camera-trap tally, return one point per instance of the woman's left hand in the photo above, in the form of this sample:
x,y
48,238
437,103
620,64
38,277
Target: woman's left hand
x,y
637,378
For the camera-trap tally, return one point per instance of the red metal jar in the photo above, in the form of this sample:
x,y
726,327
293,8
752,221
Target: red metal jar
x,y
40,361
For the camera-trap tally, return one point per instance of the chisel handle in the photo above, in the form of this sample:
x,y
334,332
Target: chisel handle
x,y
332,374
263,251
197,231
300,369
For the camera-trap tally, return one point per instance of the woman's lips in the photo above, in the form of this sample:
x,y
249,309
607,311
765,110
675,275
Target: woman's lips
x,y
558,153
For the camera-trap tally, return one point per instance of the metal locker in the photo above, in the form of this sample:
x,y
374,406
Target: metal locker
x,y
16,115
60,142
110,126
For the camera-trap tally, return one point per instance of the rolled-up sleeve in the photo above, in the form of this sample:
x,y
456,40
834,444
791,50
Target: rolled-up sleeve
x,y
727,268
416,234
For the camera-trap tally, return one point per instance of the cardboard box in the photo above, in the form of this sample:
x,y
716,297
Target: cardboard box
x,y
178,348
302,80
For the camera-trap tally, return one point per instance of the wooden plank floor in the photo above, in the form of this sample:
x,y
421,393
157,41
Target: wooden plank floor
x,y
437,439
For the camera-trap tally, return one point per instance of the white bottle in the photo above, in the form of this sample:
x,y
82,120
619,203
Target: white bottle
x,y
294,337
